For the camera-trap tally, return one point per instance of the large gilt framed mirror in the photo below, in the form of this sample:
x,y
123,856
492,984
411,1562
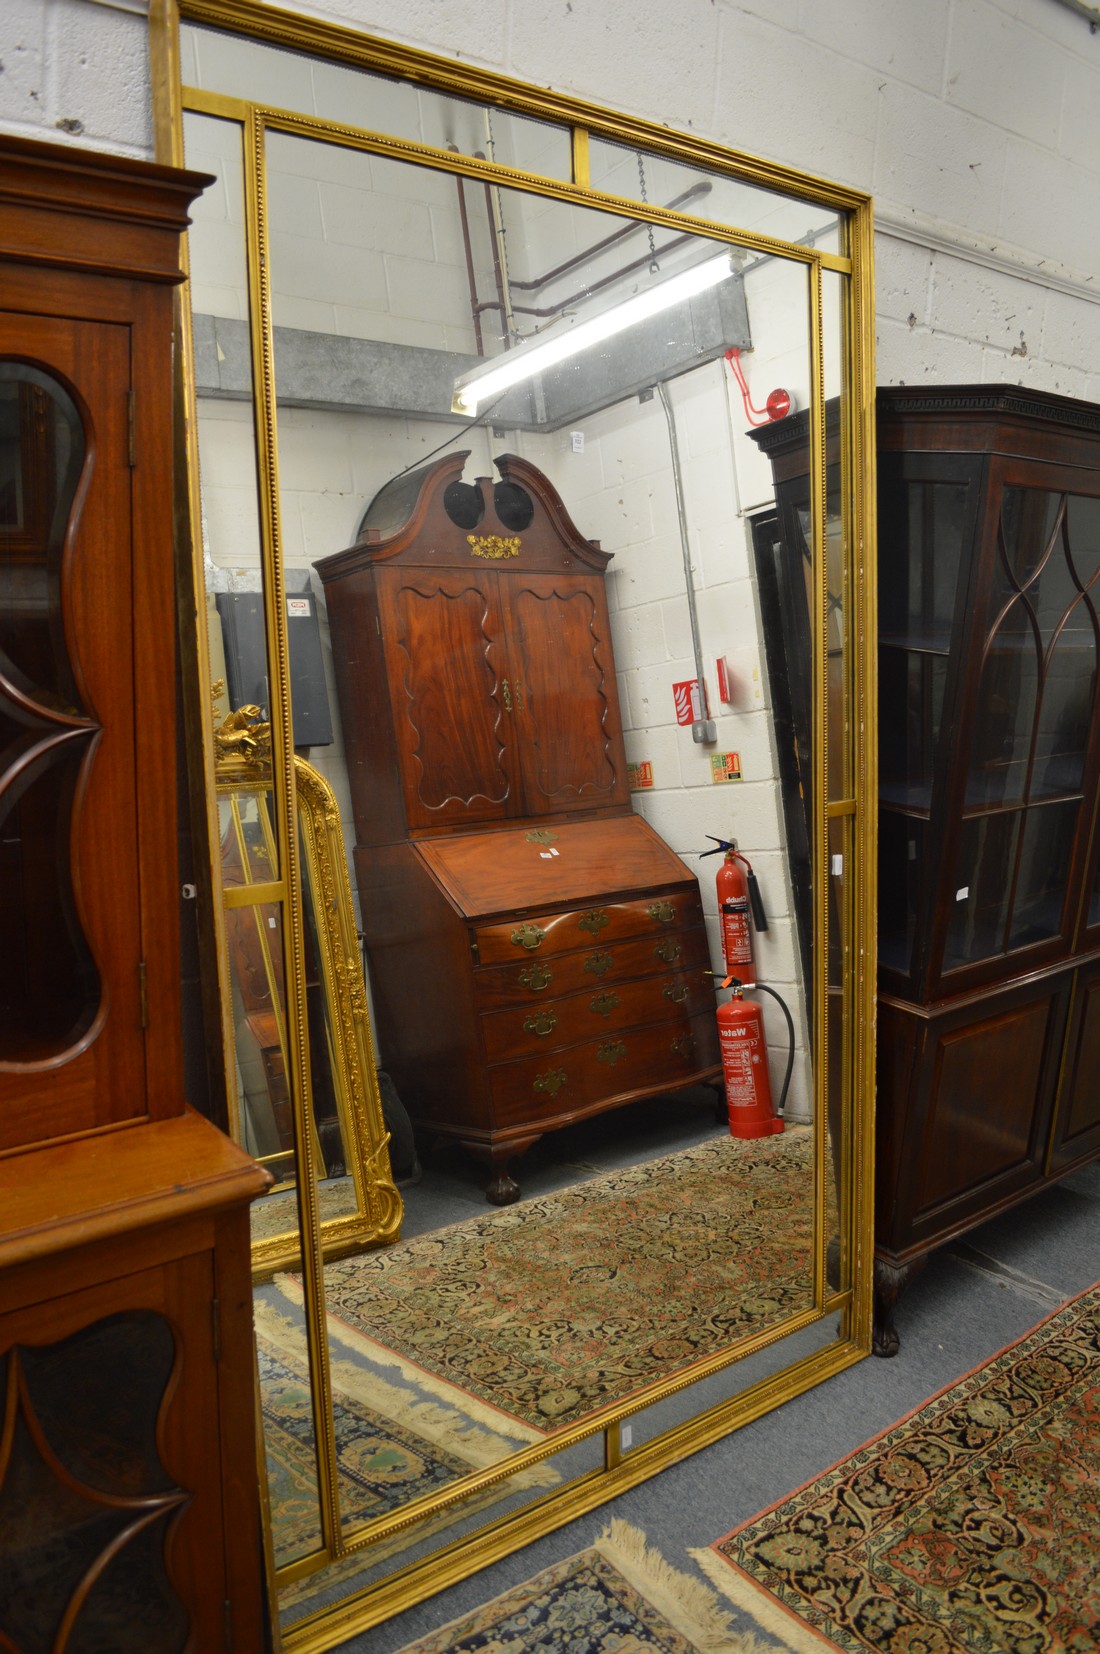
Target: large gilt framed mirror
x,y
475,375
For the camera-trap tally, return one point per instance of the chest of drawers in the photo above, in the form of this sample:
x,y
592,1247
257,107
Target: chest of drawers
x,y
503,1018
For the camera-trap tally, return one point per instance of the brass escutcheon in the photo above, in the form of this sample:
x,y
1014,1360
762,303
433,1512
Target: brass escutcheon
x,y
552,1081
535,977
528,936
604,1004
541,1024
506,691
594,920
676,991
611,1050
683,1046
668,950
599,963
662,912
539,835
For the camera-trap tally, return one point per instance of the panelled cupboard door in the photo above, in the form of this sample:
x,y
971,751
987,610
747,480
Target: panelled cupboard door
x,y
70,920
503,694
564,694
447,669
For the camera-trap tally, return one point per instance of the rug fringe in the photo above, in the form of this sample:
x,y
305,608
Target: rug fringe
x,y
687,1603
445,1427
773,1619
452,1395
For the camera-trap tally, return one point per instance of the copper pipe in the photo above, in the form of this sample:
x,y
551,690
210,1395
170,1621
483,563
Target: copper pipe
x,y
475,306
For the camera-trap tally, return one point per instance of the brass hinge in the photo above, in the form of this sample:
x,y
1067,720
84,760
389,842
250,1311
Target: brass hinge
x,y
143,990
217,1328
131,428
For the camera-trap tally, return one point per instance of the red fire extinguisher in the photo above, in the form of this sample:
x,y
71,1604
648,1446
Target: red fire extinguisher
x,y
745,1068
733,911
740,1022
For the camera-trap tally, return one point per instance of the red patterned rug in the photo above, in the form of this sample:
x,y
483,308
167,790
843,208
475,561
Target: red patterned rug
x,y
971,1526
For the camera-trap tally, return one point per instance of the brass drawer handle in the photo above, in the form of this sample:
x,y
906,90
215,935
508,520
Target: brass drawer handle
x,y
542,1024
506,691
683,1046
599,963
528,936
594,920
676,991
610,1051
668,950
552,1081
603,1004
535,977
662,913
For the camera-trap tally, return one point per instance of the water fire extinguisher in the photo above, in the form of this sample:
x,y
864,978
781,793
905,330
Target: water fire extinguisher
x,y
742,1044
744,1054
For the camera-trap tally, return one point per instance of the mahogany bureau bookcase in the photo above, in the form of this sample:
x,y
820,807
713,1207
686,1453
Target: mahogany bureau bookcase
x,y
129,1511
537,952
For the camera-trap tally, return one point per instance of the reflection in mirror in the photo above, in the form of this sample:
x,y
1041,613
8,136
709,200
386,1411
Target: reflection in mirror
x,y
51,992
540,659
357,1201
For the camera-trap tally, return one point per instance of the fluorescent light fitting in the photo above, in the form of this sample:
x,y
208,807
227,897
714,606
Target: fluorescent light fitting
x,y
483,383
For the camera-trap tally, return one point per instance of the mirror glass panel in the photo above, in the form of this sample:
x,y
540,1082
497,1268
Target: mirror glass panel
x,y
518,439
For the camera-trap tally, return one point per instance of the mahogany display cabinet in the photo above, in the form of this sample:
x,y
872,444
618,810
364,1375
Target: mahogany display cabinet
x,y
129,1510
989,885
537,953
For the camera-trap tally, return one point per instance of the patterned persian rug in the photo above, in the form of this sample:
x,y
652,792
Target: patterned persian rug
x,y
577,1299
618,1597
971,1526
392,1445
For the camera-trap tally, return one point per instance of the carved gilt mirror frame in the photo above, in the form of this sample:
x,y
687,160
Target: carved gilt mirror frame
x,y
831,269
359,1206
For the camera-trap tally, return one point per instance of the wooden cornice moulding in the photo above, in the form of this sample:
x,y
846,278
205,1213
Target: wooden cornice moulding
x,y
129,223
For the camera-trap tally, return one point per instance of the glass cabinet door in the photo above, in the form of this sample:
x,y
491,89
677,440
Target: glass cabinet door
x,y
1023,812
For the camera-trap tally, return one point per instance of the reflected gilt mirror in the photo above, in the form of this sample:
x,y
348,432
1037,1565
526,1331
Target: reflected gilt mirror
x,y
358,1205
481,385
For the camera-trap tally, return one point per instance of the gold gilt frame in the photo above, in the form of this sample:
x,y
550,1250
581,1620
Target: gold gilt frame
x,y
845,819
244,770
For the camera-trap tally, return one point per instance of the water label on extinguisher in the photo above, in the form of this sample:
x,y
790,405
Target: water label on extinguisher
x,y
740,1055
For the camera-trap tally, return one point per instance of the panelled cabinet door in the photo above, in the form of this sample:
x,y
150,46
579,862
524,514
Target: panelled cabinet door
x,y
70,920
450,694
564,693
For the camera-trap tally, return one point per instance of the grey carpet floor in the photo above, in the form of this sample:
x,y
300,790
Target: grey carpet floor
x,y
972,1299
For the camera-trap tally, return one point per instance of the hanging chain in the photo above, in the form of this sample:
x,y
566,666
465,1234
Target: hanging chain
x,y
653,265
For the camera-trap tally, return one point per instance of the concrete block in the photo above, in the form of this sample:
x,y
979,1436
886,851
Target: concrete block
x,y
231,527
939,161
578,45
1036,373
995,67
1071,331
789,98
1079,133
908,43
228,64
98,67
1042,209
903,279
314,452
310,269
354,218
919,356
294,204
638,635
218,255
985,305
